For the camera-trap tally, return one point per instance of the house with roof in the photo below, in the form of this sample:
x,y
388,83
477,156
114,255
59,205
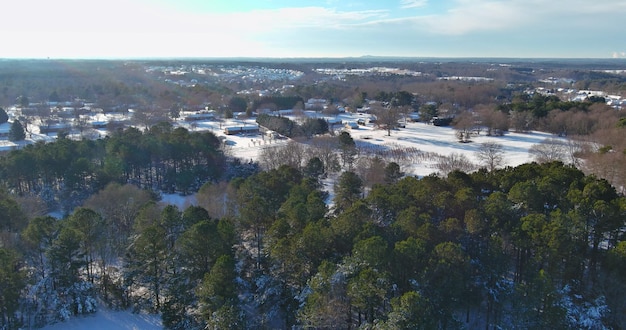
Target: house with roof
x,y
232,130
315,104
199,115
352,125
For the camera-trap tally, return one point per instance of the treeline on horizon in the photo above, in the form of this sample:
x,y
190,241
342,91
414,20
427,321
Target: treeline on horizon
x,y
534,246
128,82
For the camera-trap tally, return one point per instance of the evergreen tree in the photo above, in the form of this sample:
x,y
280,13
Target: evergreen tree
x,y
199,247
348,190
175,312
314,168
392,173
16,132
367,291
409,260
218,288
348,149
23,101
12,282
326,306
67,257
146,264
12,219
410,311
90,228
39,235
4,117
227,317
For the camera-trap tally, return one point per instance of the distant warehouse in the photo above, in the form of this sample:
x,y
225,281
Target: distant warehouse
x,y
232,130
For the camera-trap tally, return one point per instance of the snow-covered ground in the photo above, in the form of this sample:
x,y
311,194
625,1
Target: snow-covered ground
x,y
424,137
106,319
182,202
442,140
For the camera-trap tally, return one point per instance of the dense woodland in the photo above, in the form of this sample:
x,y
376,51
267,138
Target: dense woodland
x,y
536,246
66,172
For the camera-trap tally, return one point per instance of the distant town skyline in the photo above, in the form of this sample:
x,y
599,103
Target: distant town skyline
x,y
313,28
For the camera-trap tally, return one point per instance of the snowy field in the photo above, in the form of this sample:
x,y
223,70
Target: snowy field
x,y
424,137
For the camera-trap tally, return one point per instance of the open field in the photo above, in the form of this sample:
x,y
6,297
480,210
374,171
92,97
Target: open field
x,y
418,137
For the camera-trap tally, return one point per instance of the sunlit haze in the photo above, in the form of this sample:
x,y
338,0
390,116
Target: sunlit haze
x,y
313,28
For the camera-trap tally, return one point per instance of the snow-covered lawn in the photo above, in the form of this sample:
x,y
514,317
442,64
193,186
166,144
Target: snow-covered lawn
x,y
424,137
442,140
416,135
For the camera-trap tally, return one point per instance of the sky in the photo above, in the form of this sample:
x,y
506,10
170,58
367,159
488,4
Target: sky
x,y
313,28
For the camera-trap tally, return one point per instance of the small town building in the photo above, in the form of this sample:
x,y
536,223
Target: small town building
x,y
232,130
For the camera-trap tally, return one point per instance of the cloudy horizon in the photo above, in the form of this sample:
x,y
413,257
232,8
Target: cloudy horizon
x,y
313,28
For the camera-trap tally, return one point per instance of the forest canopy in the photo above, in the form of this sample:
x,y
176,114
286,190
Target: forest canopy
x,y
67,171
535,246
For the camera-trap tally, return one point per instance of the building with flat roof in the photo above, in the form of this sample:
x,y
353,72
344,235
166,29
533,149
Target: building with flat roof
x,y
232,130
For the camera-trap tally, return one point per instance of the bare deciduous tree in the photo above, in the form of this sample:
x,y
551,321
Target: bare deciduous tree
x,y
371,170
494,121
219,199
324,148
119,205
269,158
452,162
607,165
548,150
32,206
292,154
387,117
330,110
522,121
490,155
573,149
464,124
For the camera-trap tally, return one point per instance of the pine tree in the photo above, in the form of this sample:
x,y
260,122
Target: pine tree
x,y
146,264
348,190
3,116
12,282
218,288
16,132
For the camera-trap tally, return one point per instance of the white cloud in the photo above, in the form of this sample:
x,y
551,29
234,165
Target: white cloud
x,y
619,55
70,28
477,16
305,17
413,3
142,28
499,16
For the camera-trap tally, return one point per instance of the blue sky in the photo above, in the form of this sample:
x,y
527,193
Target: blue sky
x,y
313,28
